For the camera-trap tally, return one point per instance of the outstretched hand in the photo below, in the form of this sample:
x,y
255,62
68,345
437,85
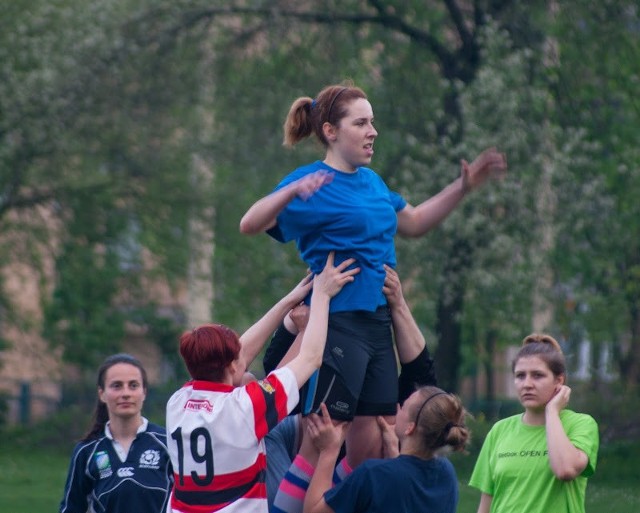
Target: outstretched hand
x,y
308,185
489,164
333,278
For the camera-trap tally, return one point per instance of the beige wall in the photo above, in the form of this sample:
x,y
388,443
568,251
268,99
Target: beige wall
x,y
28,359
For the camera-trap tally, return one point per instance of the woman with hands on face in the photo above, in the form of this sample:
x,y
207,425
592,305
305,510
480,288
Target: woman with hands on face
x,y
538,461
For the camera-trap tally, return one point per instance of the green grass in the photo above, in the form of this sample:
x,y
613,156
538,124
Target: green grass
x,y
614,488
32,479
600,497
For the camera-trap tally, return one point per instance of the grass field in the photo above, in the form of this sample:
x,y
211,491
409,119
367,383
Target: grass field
x,y
33,480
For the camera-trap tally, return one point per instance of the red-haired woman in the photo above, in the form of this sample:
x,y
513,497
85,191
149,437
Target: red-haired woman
x,y
215,426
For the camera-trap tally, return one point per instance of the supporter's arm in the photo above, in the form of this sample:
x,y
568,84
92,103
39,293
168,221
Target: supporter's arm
x,y
325,285
255,337
417,366
409,339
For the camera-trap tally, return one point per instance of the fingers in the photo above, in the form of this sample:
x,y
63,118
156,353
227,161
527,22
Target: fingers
x,y
344,264
327,177
324,432
350,273
312,426
325,413
341,268
330,258
307,279
392,288
382,423
489,164
308,185
336,276
390,272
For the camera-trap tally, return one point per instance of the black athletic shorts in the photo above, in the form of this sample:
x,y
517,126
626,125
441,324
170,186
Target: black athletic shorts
x,y
359,373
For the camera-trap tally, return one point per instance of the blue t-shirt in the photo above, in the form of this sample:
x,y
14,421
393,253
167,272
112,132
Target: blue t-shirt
x,y
355,216
405,484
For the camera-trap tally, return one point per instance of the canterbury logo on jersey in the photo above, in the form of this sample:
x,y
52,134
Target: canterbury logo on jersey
x,y
125,472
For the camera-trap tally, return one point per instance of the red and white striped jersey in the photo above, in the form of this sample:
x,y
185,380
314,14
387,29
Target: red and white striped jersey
x,y
215,438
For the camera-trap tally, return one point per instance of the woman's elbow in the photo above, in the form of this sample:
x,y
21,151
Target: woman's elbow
x,y
247,227
411,230
569,470
566,476
567,473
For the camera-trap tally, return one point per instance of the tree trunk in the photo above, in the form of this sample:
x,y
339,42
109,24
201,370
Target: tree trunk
x,y
546,207
448,328
200,291
447,354
201,249
490,343
632,377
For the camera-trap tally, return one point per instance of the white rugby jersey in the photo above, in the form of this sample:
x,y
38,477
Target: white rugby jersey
x,y
215,438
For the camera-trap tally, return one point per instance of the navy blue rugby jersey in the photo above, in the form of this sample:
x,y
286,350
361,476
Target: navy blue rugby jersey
x,y
100,481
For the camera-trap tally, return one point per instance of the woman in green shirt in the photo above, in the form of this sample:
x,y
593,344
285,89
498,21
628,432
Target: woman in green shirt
x,y
538,461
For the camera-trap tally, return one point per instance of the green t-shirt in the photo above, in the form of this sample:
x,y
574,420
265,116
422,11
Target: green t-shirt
x,y
513,466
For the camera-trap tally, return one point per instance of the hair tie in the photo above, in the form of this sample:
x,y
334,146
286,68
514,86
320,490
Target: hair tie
x,y
313,103
448,427
425,402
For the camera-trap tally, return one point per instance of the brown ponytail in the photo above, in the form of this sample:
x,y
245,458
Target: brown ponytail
x,y
307,115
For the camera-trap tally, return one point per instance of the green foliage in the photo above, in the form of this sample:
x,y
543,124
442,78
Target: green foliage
x,y
594,87
81,316
107,105
89,132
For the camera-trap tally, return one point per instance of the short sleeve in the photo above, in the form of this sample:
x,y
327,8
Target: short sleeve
x,y
583,434
481,477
